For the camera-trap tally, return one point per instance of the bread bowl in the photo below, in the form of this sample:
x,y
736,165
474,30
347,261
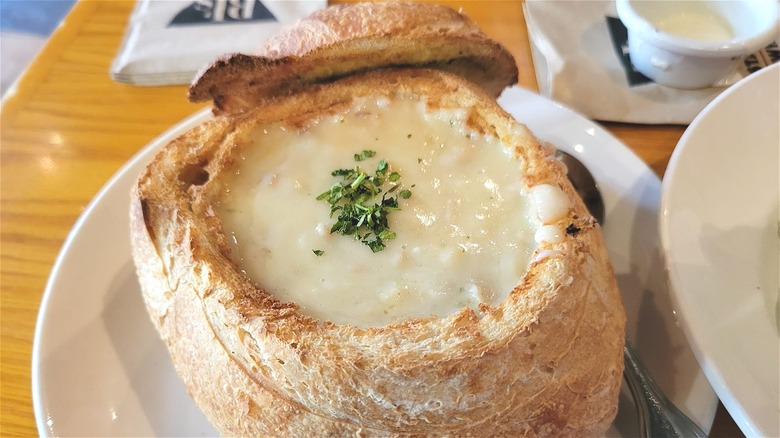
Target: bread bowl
x,y
541,357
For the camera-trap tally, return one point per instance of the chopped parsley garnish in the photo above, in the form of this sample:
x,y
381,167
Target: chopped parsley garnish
x,y
361,211
318,252
364,155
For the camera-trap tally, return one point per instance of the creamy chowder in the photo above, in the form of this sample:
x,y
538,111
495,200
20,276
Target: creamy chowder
x,y
465,236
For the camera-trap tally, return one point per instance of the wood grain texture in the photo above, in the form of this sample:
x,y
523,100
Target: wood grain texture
x,y
68,128
65,131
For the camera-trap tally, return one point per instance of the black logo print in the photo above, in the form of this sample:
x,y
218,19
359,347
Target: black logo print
x,y
222,11
619,35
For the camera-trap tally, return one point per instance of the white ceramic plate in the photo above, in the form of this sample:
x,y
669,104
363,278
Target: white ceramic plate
x,y
719,231
100,369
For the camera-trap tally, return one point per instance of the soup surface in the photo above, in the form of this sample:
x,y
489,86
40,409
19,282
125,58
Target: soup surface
x,y
464,236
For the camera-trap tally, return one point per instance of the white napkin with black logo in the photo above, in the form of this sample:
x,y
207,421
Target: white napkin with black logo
x,y
580,54
168,41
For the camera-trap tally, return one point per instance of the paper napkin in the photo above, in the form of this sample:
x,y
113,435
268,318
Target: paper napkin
x,y
580,54
168,41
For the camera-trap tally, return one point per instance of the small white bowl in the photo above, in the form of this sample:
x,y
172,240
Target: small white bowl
x,y
695,43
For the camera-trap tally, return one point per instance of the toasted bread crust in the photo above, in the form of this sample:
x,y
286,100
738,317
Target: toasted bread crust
x,y
546,361
352,38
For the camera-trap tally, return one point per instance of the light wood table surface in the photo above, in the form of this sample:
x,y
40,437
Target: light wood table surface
x,y
68,128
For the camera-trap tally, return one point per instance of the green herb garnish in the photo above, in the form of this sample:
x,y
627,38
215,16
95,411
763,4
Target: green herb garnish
x,y
362,212
318,252
364,155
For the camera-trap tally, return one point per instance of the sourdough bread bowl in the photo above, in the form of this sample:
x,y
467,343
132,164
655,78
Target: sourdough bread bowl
x,y
543,357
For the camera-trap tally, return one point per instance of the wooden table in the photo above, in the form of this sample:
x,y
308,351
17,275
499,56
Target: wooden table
x,y
68,128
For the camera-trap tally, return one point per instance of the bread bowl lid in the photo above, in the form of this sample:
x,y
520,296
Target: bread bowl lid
x,y
349,39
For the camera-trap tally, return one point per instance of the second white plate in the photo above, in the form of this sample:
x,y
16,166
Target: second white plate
x,y
720,229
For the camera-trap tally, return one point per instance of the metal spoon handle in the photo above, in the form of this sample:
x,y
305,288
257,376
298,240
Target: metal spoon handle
x,y
658,417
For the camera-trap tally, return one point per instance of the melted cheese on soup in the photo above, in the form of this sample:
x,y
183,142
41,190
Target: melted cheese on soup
x,y
464,237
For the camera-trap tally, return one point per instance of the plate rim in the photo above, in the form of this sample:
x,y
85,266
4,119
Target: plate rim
x,y
144,154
